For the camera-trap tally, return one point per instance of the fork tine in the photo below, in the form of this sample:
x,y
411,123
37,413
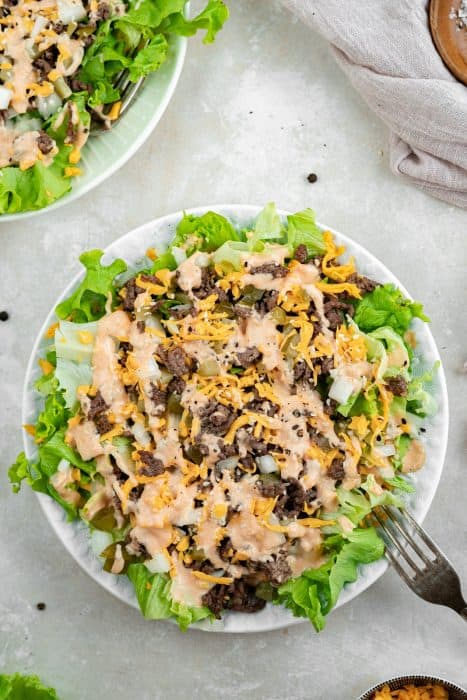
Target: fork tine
x,y
398,521
407,558
395,563
129,93
424,536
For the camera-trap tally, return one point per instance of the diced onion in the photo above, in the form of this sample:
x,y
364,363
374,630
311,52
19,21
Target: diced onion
x,y
267,464
70,11
48,105
28,124
386,472
209,368
172,327
39,25
159,564
5,97
227,464
341,389
189,518
63,465
100,540
385,450
141,435
202,259
179,255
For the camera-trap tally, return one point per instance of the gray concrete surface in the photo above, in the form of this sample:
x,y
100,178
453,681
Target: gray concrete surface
x,y
252,116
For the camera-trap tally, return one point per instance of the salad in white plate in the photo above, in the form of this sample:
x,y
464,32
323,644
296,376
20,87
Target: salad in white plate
x,y
226,417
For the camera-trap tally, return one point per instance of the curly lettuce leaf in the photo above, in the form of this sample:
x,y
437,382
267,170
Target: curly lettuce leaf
x,y
153,595
150,58
87,302
56,450
53,416
212,19
50,429
206,233
19,687
400,483
138,42
420,400
316,591
387,306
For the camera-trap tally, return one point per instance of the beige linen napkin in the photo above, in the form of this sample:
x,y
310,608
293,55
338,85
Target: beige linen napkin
x,y
385,48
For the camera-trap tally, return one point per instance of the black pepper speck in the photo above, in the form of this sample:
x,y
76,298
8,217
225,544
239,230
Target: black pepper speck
x,y
4,315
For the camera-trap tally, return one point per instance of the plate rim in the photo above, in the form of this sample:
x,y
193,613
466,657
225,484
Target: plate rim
x,y
180,48
49,507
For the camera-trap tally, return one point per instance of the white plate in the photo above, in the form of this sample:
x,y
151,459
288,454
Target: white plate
x,y
74,536
104,154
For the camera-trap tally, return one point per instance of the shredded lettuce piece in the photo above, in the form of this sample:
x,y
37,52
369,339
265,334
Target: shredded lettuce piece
x,y
19,687
70,375
302,229
400,483
87,302
316,591
420,401
153,595
268,227
387,306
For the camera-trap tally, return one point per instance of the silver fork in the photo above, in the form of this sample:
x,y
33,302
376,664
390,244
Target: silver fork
x,y
128,92
418,560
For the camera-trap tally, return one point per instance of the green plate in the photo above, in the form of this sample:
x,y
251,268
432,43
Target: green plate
x,y
104,154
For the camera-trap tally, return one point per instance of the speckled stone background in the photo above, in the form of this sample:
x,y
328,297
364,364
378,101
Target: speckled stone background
x,y
252,116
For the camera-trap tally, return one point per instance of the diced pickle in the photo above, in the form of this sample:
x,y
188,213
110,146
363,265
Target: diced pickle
x,y
251,295
61,88
279,316
197,554
174,405
104,520
264,591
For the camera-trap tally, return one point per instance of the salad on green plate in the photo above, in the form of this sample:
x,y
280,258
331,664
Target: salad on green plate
x,y
60,65
225,417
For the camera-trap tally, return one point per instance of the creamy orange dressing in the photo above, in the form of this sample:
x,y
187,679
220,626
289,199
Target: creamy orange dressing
x,y
86,439
155,539
186,588
252,538
21,148
221,506
414,458
61,481
166,501
308,554
189,274
22,71
105,368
